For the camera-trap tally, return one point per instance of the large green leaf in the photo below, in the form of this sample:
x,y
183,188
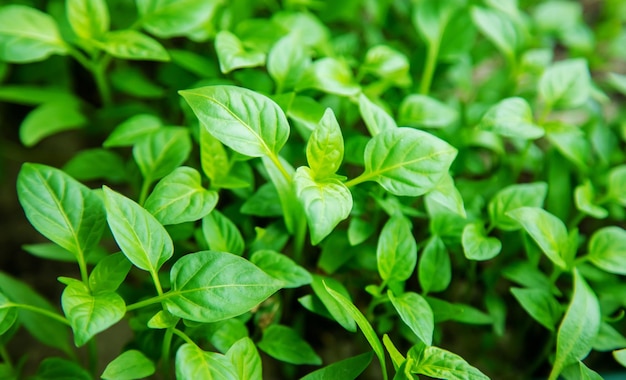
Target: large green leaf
x,y
607,249
513,197
334,308
346,369
286,61
88,18
282,268
192,363
60,208
245,357
284,343
171,18
396,253
210,286
233,55
442,364
162,151
566,84
416,313
129,365
242,119
131,44
324,150
28,35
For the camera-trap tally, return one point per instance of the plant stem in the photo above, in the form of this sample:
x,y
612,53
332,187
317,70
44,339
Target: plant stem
x,y
41,311
148,302
99,74
165,352
429,68
157,282
300,238
92,348
4,355
363,177
145,187
183,336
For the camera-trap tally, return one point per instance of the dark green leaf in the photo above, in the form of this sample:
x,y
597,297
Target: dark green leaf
x,y
445,311
396,253
96,163
109,273
8,314
129,365
608,338
51,251
334,307
513,197
499,28
61,369
579,371
284,344
263,202
281,268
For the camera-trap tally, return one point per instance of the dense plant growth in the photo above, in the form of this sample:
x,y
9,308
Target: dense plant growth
x,y
384,189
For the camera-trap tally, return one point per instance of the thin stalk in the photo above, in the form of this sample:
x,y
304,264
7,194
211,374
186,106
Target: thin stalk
x,y
145,188
165,351
41,311
157,282
429,68
148,302
183,336
363,177
6,358
92,349
279,165
82,264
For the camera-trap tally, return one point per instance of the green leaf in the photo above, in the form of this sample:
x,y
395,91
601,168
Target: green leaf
x,y
396,253
415,313
329,75
139,235
8,314
434,270
447,195
526,274
608,338
132,130
33,94
244,120
617,184
359,230
132,81
109,273
607,249
224,334
431,18
364,325
222,234
163,320
547,231
388,64
210,286
540,304
513,197
60,208
49,119
620,356
326,202
129,365
51,251
375,117
28,35
61,369
88,18
172,18
213,158
579,371
511,117
324,150
423,111
442,364
406,161
284,344
286,61
476,245
245,358
499,28
162,151
584,197
346,369
281,268
233,55
263,202
578,328
572,143
96,163
90,313
566,84
334,307
396,357
131,44
192,363
179,197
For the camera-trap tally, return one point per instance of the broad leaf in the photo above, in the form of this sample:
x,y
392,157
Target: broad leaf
x,y
222,234
329,75
375,117
513,197
579,371
423,111
431,18
499,28
210,286
88,18
608,338
281,268
442,364
109,273
96,163
324,150
242,119
447,195
566,84
585,200
132,130
162,151
28,35
416,313
233,55
434,270
476,245
129,365
572,143
131,44
512,117
607,249
396,253
171,18
192,364
245,358
540,304
346,369
179,197
388,64
286,61
51,118
262,202
284,344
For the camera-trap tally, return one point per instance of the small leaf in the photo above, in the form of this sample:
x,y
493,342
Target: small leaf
x,y
222,234
284,344
476,245
286,61
49,119
388,64
584,197
431,18
28,35
90,314
129,365
442,364
211,286
246,121
173,18
96,163
109,273
566,84
336,309
346,369
607,249
233,55
131,44
88,18
213,158
132,130
61,369
547,231
192,364
376,119
281,268
423,111
540,304
179,197
572,143
499,28
434,270
513,197
415,313
245,358
579,371
163,320
162,151
329,75
608,338
8,314
324,150
447,195
512,117
617,184
396,253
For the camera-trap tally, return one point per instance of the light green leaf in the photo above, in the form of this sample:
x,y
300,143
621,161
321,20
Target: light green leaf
x,y
88,18
133,81
287,61
179,197
131,44
579,371
262,202
51,118
359,230
51,251
163,320
388,64
129,365
476,245
132,130
326,202
512,117
607,249
329,75
566,84
585,200
617,184
162,151
447,195
306,26
423,111
140,236
608,338
192,364
222,234
499,28
60,208
334,307
90,313
364,325
281,268
210,286
96,163
620,356
109,273
213,158
28,35
8,314
431,18
396,253
540,304
618,82
396,357
442,364
233,55
406,161
172,18
572,143
242,119
284,344
578,328
547,231
434,270
346,369
375,117
513,197
324,150
415,313
245,358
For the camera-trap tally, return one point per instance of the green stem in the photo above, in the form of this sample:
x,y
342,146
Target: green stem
x,y
148,302
6,358
429,68
145,188
274,158
363,177
99,74
300,238
577,219
157,282
183,336
41,311
165,352
82,264
92,348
